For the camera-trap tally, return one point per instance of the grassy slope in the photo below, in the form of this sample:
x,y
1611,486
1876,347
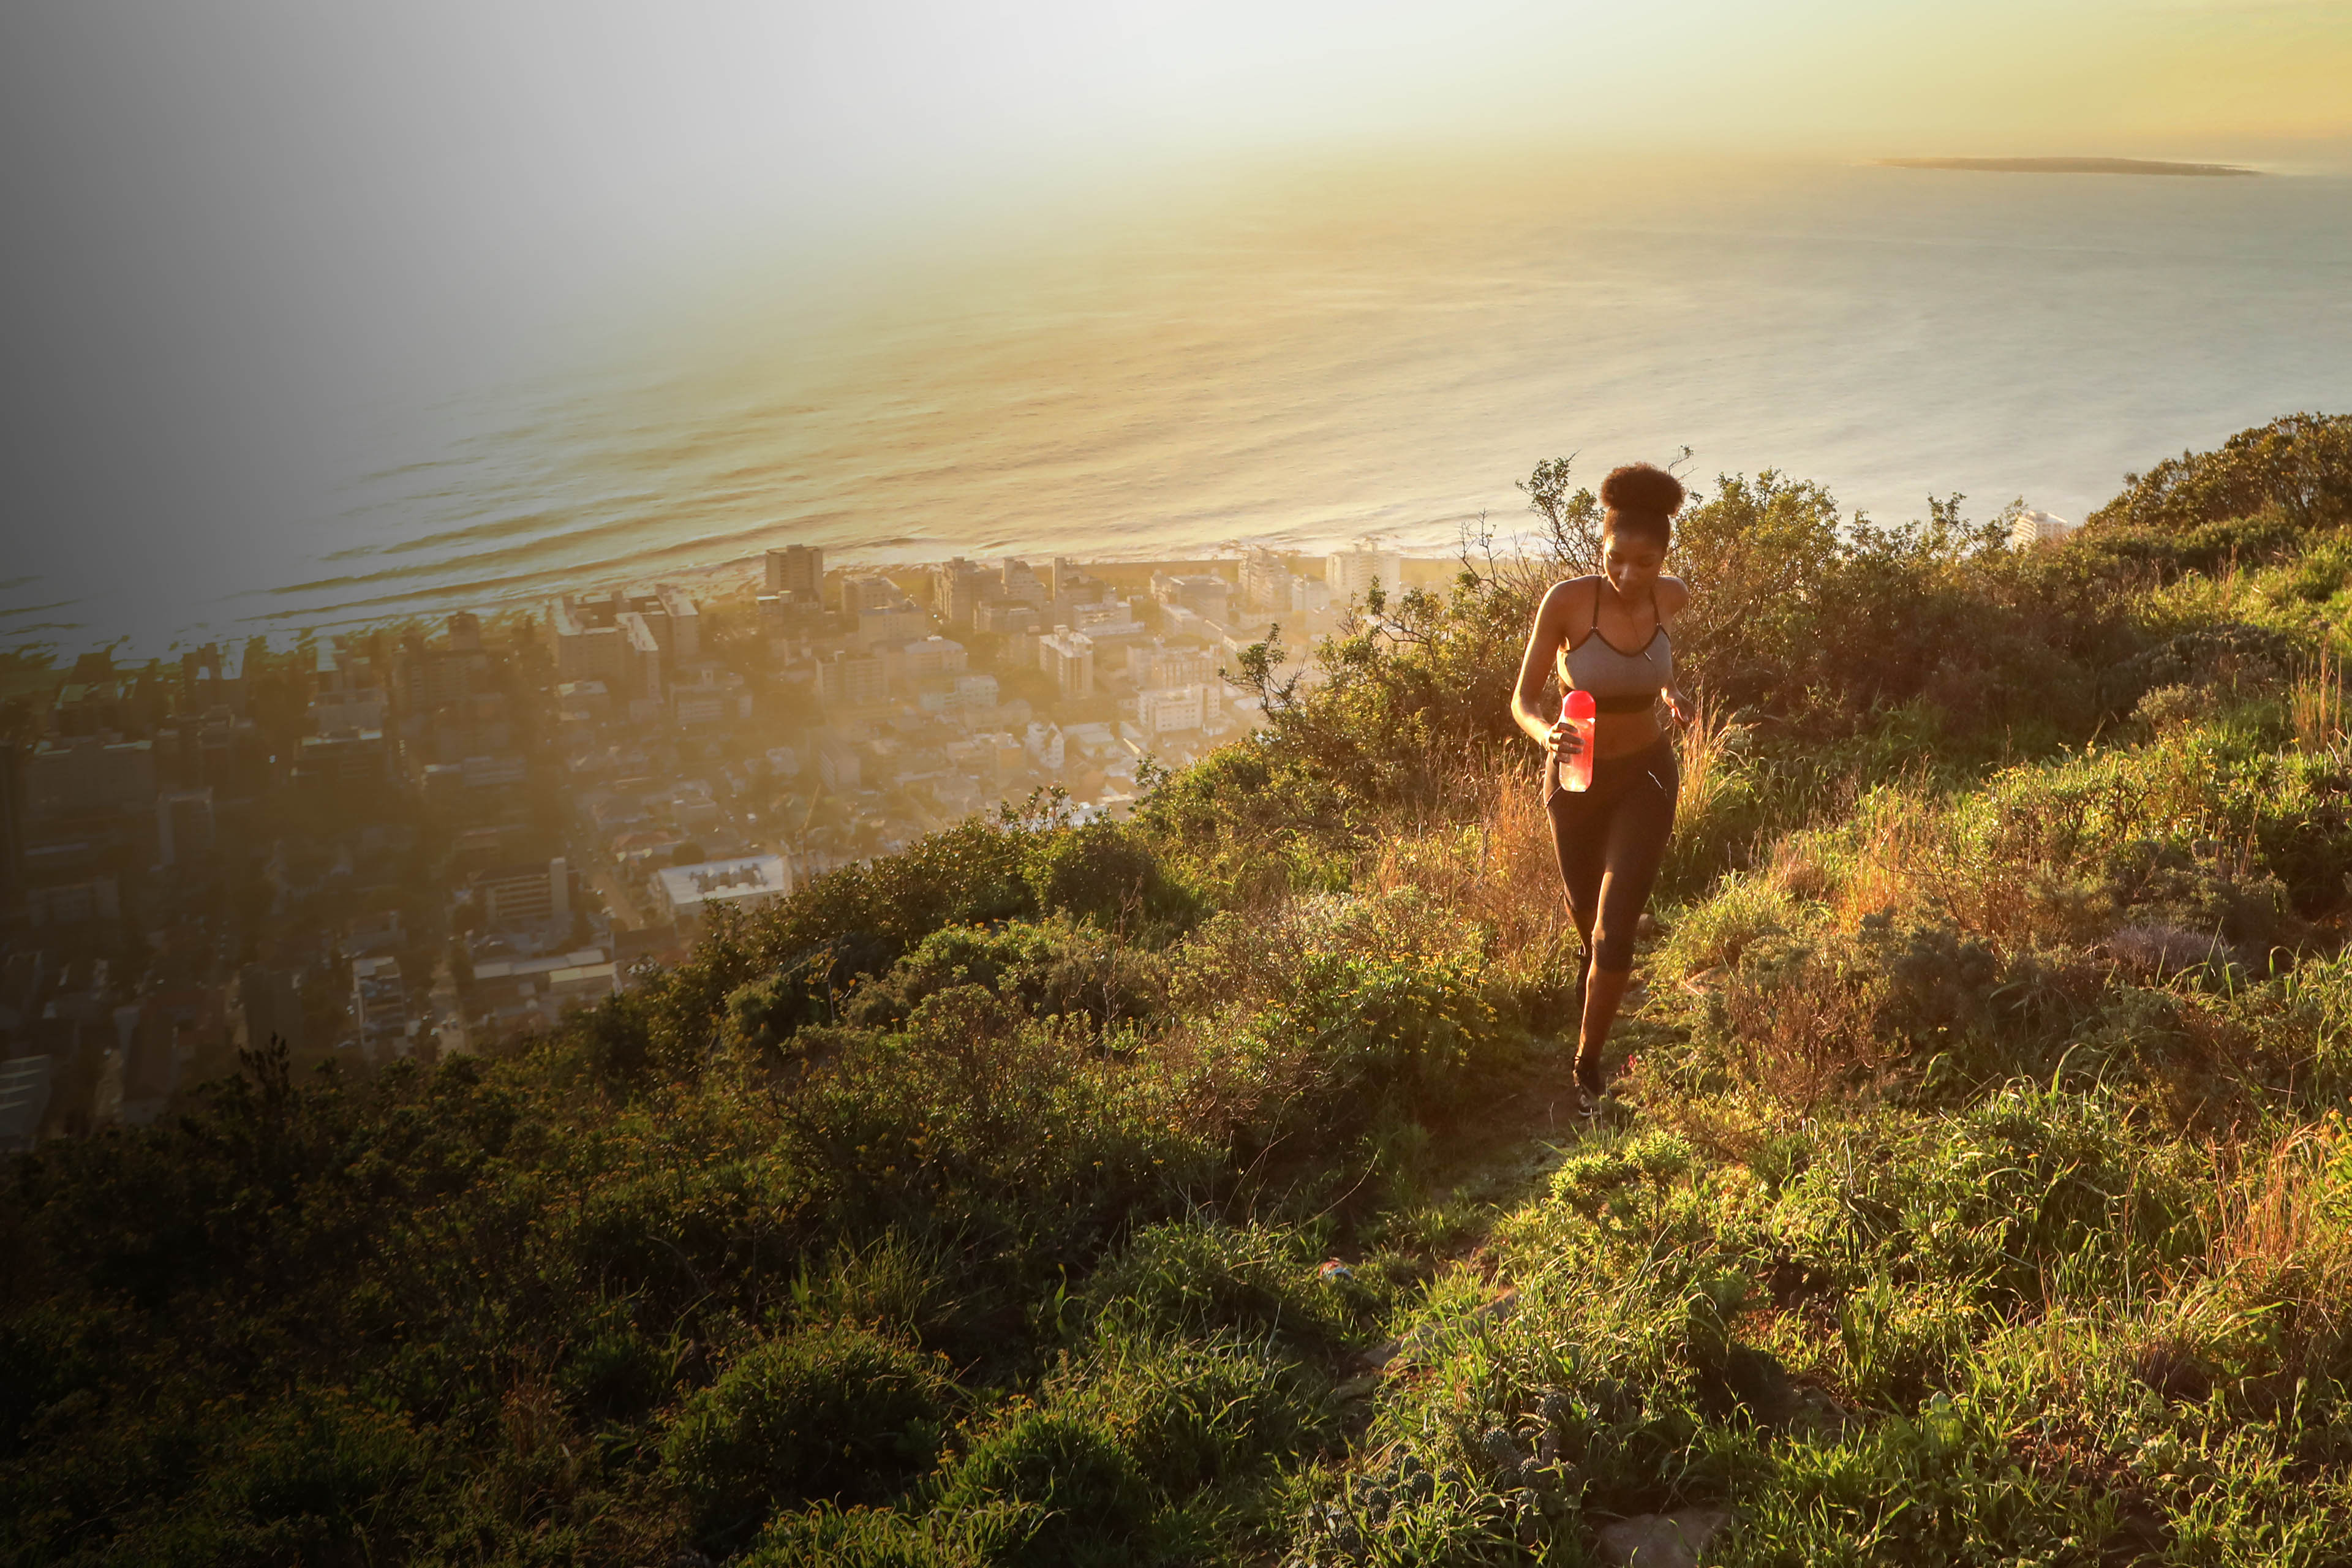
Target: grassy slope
x,y
1979,1193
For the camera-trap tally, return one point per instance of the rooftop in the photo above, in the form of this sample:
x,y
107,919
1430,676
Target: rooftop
x,y
754,875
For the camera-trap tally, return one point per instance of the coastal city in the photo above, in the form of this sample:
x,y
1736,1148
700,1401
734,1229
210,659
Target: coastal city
x,y
423,839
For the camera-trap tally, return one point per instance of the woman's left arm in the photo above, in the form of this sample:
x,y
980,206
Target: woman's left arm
x,y
1673,599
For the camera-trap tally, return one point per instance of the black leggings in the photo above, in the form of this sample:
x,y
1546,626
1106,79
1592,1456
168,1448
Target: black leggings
x,y
1610,838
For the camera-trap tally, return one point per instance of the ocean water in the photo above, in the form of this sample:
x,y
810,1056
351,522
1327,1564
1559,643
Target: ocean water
x,y
1317,356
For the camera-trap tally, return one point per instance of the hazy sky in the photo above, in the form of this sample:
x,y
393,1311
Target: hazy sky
x,y
236,231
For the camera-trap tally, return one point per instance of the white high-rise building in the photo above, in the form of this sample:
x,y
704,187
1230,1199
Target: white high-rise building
x,y
1177,708
2033,528
1069,657
931,658
1266,581
1349,574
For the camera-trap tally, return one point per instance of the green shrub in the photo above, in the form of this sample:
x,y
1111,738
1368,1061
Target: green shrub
x,y
1714,933
618,1375
1089,1501
1361,1031
1194,1412
1987,1199
2300,466
1054,968
1252,822
1103,872
1197,1277
1589,1178
616,1040
805,991
831,1537
890,1282
318,1478
836,1410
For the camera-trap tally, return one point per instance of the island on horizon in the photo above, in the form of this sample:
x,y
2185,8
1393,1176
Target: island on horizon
x,y
2065,166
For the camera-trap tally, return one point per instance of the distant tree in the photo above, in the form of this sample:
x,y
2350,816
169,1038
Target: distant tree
x,y
1571,518
1755,557
2302,465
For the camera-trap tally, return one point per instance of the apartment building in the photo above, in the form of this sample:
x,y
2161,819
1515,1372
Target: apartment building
x,y
1069,657
1350,575
797,570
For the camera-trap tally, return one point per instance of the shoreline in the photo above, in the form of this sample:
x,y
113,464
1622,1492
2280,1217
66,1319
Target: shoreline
x,y
739,580
2072,165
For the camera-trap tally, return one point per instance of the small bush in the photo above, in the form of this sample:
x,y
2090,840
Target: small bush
x,y
838,1412
1197,1277
1715,934
805,990
1195,1413
1102,872
1054,968
1089,1501
618,1375
1589,1179
892,1283
321,1479
828,1536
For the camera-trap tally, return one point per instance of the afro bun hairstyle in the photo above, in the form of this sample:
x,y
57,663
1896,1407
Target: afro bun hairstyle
x,y
1641,497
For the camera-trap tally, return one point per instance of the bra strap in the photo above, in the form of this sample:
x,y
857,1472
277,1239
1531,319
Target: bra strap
x,y
1657,621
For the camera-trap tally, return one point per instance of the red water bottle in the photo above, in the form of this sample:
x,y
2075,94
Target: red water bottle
x,y
1576,771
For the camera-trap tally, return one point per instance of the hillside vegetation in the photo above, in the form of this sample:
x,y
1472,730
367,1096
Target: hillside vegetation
x,y
1199,1188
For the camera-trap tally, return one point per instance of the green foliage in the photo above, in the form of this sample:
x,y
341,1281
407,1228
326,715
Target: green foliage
x,y
1756,556
838,1412
1978,1188
1057,969
1252,823
316,1482
2300,466
1196,1411
1102,872
1198,1277
619,1374
765,1016
1086,1499
1572,519
831,1537
1411,696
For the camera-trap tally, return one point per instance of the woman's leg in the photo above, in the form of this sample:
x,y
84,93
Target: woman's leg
x,y
1604,991
1634,844
1580,834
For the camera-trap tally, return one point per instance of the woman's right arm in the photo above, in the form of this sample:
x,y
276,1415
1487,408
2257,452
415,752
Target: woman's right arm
x,y
1534,669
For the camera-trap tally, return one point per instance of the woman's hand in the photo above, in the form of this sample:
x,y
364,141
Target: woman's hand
x,y
1678,703
1565,740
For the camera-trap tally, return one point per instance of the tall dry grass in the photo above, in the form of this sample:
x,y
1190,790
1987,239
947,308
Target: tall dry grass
x,y
2315,703
1707,751
1497,868
2267,1227
2019,864
1808,1038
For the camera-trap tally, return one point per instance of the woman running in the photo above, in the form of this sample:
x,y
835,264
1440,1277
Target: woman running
x,y
1608,635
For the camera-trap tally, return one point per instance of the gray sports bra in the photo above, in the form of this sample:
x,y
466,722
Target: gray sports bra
x,y
1620,682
